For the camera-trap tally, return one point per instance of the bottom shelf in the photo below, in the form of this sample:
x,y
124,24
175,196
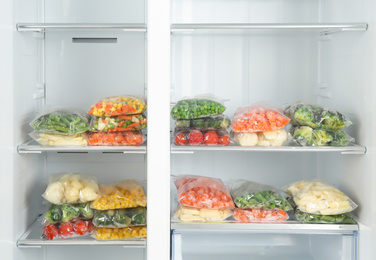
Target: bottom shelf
x,y
31,238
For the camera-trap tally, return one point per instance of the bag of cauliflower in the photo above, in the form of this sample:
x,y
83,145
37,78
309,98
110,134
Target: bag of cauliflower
x,y
71,188
318,197
267,138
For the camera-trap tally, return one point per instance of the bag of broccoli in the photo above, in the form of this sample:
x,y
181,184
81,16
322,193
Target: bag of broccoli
x,y
120,218
212,122
307,136
308,218
316,116
67,212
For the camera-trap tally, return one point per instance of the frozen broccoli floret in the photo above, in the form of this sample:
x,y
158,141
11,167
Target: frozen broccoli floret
x,y
54,214
340,139
333,121
69,212
85,210
304,135
121,219
322,137
305,116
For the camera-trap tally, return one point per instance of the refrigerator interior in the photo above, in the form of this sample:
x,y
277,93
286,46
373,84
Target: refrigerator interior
x,y
72,68
279,66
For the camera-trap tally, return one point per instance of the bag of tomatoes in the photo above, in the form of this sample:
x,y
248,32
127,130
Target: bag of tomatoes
x,y
125,138
74,228
196,137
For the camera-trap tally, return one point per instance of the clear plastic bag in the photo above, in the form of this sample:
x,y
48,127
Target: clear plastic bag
x,y
258,118
248,194
307,136
126,138
67,212
66,121
120,218
118,106
71,188
318,197
268,138
127,233
198,137
308,218
197,107
52,139
118,123
66,230
316,116
189,214
259,215
203,192
206,123
122,194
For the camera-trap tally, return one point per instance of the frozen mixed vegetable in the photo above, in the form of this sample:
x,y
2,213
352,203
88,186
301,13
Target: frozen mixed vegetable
x,y
67,212
307,136
120,218
67,230
197,137
127,233
213,122
259,215
118,106
52,139
308,218
267,138
188,214
126,138
118,123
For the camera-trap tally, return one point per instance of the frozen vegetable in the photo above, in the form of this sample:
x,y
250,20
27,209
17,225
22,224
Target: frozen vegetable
x,y
308,218
120,217
203,192
248,194
258,118
197,137
316,116
127,233
118,106
67,230
67,121
71,188
188,214
52,139
197,107
266,138
122,194
259,215
317,197
213,122
119,123
67,212
126,138
307,136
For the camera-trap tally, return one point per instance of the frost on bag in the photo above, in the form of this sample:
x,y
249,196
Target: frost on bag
x,y
199,137
120,218
52,139
127,233
268,138
317,197
67,212
71,188
66,121
248,194
189,214
197,107
308,218
66,230
307,136
126,138
122,194
258,118
118,123
118,106
259,215
316,116
203,192
206,123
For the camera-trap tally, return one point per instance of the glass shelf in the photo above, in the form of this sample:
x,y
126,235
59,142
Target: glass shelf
x,y
32,239
350,149
41,27
33,147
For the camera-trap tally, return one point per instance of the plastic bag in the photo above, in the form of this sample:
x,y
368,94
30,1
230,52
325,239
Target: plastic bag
x,y
203,192
317,197
267,138
122,194
71,188
206,123
316,116
127,233
120,218
67,121
197,107
126,138
259,215
307,136
248,194
67,212
197,137
308,218
118,106
51,139
188,214
119,123
258,118
66,230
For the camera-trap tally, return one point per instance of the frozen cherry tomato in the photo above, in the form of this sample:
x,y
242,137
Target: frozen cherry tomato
x,y
180,139
224,140
81,227
195,137
66,230
50,231
211,138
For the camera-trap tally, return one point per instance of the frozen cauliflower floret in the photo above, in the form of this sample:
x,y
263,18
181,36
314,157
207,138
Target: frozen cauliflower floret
x,y
54,193
72,194
88,194
272,138
246,139
76,184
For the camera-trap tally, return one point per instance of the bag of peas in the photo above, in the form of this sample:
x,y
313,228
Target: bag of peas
x,y
249,195
197,107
